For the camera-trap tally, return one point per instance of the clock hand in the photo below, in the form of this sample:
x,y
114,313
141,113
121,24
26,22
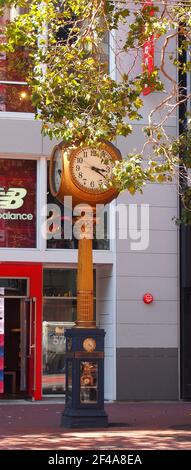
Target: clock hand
x,y
98,170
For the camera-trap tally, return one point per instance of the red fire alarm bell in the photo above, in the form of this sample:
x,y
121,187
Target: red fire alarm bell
x,y
148,298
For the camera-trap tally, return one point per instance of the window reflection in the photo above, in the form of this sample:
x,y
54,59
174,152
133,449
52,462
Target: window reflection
x,y
54,348
14,66
15,95
15,98
61,283
17,203
13,287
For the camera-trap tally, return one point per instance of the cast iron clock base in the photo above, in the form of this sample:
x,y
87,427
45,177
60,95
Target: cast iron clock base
x,y
84,419
84,406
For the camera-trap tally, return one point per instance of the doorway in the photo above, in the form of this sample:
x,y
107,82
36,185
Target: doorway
x,y
23,281
16,348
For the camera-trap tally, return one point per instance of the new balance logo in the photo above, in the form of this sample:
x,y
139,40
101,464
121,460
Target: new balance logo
x,y
13,198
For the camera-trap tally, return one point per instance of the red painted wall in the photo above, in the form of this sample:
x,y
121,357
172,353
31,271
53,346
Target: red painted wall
x,y
34,272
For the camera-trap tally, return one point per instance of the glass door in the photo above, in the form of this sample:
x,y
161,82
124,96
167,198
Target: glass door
x,y
1,342
28,345
17,339
12,293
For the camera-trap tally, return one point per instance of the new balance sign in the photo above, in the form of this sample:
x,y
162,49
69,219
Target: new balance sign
x,y
13,198
15,216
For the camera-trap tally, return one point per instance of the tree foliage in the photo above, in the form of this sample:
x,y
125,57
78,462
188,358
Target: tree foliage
x,y
77,96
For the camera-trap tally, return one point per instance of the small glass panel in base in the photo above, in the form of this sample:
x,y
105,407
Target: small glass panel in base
x,y
88,382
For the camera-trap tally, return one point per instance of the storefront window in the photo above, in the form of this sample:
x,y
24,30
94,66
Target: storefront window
x,y
59,313
2,340
54,347
57,225
15,95
13,287
60,282
17,203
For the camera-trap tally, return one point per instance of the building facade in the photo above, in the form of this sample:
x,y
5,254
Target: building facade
x,y
38,277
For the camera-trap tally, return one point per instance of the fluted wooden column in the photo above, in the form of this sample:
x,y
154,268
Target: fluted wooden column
x,y
85,285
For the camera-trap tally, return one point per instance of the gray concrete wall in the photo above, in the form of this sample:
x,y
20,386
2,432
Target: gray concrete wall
x,y
20,134
106,319
147,336
147,374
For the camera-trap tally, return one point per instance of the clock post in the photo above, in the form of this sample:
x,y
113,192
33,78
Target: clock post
x,y
85,316
85,173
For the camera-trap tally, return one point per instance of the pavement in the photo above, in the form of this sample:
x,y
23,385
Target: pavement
x,y
132,426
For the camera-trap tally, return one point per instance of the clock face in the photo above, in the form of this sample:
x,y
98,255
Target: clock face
x,y
57,169
89,344
91,169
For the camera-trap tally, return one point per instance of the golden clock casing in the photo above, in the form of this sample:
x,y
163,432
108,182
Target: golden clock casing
x,y
69,186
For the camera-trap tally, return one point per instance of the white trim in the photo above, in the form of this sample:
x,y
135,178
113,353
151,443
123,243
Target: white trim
x,y
9,82
58,266
42,200
21,156
114,303
178,298
112,62
38,199
113,228
17,115
34,255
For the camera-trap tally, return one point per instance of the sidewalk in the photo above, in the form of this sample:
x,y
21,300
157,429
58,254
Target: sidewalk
x,y
141,425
